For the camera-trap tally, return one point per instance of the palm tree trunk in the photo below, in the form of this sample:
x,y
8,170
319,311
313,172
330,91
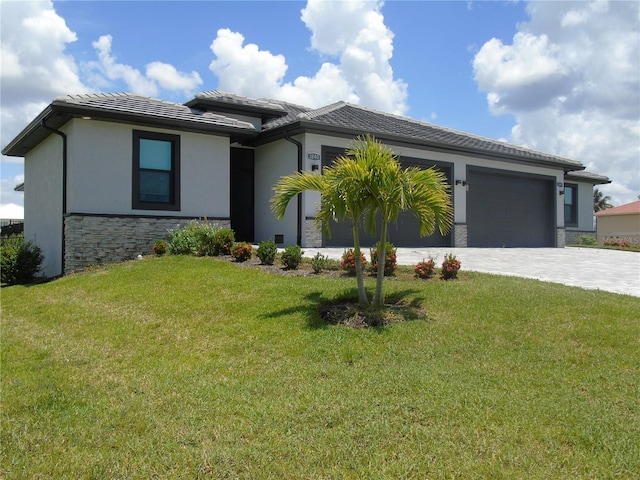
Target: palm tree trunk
x,y
363,300
382,259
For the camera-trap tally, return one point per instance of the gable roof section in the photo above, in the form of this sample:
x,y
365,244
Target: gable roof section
x,y
632,208
125,108
230,103
352,120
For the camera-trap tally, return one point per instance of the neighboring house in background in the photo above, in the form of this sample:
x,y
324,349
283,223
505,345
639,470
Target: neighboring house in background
x,y
620,223
107,174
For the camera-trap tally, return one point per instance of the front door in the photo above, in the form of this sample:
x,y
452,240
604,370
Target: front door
x,y
242,194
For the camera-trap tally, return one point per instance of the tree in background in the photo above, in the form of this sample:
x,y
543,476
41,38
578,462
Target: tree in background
x,y
600,201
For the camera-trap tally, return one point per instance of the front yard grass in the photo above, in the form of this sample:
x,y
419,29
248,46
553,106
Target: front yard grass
x,y
183,367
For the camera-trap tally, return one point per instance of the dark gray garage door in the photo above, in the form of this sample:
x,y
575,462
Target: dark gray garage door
x,y
403,233
510,210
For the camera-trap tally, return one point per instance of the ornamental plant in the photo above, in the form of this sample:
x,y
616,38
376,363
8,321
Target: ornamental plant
x,y
160,247
425,268
450,267
319,262
224,239
390,261
266,252
291,257
241,251
348,261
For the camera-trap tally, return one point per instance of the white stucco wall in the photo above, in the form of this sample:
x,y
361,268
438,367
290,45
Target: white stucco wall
x,y
43,202
273,161
100,171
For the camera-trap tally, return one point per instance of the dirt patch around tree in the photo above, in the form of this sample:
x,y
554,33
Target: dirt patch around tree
x,y
347,311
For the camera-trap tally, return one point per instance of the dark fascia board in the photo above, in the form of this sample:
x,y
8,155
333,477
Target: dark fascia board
x,y
58,114
305,126
587,177
220,106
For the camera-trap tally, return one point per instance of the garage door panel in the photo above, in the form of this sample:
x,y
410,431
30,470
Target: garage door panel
x,y
510,210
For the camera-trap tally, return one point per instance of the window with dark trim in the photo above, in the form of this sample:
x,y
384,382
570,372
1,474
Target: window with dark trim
x,y
570,205
156,171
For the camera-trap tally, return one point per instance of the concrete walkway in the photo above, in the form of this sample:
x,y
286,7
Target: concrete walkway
x,y
609,270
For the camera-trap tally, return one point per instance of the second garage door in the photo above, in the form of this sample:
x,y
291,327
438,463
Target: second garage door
x,y
506,209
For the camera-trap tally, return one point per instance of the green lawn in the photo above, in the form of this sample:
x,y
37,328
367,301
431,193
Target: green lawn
x,y
181,367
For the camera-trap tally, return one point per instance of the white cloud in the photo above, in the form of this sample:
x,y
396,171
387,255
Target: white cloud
x,y
34,68
571,78
352,32
169,78
10,200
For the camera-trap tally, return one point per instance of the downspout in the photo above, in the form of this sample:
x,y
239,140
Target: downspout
x,y
64,183
299,145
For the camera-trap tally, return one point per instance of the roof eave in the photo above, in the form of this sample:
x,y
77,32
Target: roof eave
x,y
306,126
59,113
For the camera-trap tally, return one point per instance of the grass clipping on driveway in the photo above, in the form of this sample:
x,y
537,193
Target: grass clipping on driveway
x,y
196,368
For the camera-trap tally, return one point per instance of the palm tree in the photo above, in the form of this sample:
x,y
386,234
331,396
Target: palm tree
x,y
600,201
369,181
392,190
341,195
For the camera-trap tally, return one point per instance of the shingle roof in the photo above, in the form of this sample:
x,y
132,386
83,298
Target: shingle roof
x,y
127,108
124,103
346,116
632,208
231,98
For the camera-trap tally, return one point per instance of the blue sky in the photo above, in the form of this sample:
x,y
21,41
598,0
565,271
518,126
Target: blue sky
x,y
559,77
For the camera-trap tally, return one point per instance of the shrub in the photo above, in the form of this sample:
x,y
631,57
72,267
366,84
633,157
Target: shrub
x,y
241,251
291,257
450,267
267,251
318,262
585,240
224,239
160,247
200,238
348,261
425,268
613,242
20,261
390,261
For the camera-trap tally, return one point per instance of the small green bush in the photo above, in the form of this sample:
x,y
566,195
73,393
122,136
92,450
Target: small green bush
x,y
267,251
224,239
318,262
390,260
348,261
585,240
291,257
241,251
160,247
450,267
201,239
425,268
20,261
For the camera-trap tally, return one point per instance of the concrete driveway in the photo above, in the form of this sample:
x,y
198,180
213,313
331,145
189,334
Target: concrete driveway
x,y
598,269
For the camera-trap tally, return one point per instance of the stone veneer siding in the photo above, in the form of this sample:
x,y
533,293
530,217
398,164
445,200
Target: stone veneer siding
x,y
560,237
97,239
312,235
571,235
460,235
